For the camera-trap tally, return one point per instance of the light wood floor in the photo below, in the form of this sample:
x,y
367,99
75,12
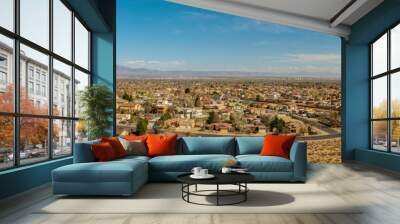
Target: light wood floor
x,y
379,189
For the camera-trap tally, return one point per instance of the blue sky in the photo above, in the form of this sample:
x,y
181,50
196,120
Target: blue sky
x,y
155,34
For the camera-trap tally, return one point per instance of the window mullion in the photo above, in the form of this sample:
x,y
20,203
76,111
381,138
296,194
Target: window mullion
x,y
50,81
73,82
16,85
389,104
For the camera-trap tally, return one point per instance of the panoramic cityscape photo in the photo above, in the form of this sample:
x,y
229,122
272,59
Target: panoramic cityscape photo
x,y
199,111
280,82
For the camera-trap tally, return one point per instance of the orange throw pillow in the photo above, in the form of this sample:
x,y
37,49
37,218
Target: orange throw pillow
x,y
135,137
116,145
161,145
103,152
277,145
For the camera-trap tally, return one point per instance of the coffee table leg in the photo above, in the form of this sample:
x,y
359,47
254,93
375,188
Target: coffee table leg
x,y
188,189
217,194
245,193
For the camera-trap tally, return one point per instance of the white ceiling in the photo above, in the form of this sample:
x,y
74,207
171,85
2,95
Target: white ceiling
x,y
326,16
321,9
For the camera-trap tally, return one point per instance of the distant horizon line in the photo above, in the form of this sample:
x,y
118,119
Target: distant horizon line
x,y
128,72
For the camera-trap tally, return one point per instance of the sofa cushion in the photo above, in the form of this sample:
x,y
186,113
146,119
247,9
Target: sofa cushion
x,y
116,145
135,137
103,152
185,163
249,145
277,145
112,171
134,147
161,145
257,163
207,145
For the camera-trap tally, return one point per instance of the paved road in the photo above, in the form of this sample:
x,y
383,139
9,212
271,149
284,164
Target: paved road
x,y
319,137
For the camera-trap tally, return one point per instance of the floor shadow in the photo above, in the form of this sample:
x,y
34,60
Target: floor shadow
x,y
256,198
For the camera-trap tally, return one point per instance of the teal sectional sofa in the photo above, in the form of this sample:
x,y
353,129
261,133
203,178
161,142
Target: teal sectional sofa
x,y
125,176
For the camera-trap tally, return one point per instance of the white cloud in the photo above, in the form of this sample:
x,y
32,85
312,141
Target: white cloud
x,y
327,58
321,59
155,64
317,71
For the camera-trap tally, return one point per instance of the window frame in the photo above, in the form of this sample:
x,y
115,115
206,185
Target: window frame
x,y
388,74
16,114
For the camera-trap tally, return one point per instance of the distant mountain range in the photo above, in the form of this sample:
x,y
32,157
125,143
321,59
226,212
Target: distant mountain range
x,y
124,72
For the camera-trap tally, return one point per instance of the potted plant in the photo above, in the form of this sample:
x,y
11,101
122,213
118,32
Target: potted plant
x,y
96,103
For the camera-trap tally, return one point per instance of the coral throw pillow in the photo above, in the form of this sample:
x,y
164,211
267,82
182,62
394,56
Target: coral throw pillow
x,y
103,152
277,145
116,145
135,137
161,145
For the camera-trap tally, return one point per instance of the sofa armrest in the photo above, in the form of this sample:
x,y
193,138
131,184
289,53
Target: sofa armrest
x,y
298,155
83,152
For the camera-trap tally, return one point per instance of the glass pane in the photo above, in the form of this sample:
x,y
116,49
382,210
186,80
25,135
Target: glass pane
x,y
395,136
379,97
81,45
395,94
379,55
33,139
7,14
6,142
379,135
6,74
34,97
81,131
62,138
395,47
62,28
81,82
62,89
35,21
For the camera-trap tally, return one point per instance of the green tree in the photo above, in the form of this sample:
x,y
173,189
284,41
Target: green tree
x,y
212,117
197,102
258,98
278,125
165,116
126,96
141,126
97,103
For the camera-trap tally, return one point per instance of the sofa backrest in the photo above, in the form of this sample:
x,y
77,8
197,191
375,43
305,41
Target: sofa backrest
x,y
83,152
206,145
249,145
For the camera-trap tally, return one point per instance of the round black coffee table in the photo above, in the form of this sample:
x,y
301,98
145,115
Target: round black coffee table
x,y
238,179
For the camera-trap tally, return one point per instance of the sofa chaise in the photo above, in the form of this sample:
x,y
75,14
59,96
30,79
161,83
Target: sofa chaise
x,y
125,176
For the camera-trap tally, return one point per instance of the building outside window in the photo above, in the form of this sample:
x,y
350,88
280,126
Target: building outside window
x,y
30,72
43,90
3,71
38,89
30,87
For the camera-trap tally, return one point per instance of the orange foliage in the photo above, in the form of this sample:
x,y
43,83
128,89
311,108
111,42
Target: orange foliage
x,y
33,130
